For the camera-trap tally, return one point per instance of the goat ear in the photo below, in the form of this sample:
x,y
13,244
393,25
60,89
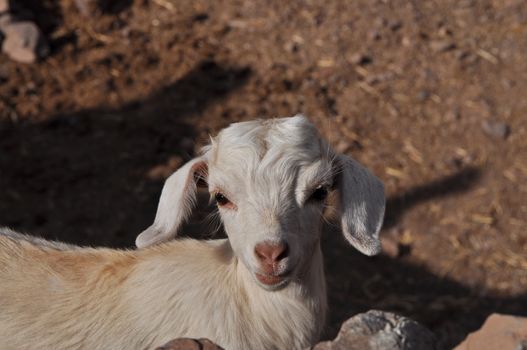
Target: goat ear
x,y
361,205
177,200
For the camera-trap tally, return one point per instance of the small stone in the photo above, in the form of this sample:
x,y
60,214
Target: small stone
x,y
343,147
442,45
24,42
190,344
291,46
374,34
200,17
453,115
360,59
423,95
380,22
395,25
496,129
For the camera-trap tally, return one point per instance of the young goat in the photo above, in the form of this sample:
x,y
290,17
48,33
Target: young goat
x,y
262,288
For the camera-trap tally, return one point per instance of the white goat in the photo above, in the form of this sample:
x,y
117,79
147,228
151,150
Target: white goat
x,y
262,288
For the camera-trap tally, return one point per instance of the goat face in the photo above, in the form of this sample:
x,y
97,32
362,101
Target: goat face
x,y
271,180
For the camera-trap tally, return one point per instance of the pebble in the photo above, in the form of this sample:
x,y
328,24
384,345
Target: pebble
x,y
423,95
23,41
395,25
360,59
442,45
496,129
453,115
343,147
374,35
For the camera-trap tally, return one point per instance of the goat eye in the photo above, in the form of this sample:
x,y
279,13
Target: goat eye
x,y
320,193
221,199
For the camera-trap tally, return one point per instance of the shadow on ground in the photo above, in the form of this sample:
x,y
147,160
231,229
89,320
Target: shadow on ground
x,y
460,182
357,283
81,177
33,10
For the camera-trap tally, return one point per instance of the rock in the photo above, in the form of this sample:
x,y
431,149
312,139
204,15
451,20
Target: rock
x,y
498,332
360,59
24,42
378,330
442,45
374,34
395,25
496,129
190,344
4,6
343,146
423,95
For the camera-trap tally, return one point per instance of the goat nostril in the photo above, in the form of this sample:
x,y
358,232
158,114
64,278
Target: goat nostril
x,y
271,253
259,254
263,252
282,252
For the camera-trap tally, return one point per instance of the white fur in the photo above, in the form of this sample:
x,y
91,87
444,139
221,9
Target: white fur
x,y
56,296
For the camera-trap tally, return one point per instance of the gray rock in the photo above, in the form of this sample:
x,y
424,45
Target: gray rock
x,y
378,330
24,42
496,129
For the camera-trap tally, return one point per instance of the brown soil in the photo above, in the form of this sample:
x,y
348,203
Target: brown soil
x,y
87,135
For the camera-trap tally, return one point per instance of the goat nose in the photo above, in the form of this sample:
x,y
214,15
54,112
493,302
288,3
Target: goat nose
x,y
271,253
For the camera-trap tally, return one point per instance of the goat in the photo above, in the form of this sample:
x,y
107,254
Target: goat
x,y
261,288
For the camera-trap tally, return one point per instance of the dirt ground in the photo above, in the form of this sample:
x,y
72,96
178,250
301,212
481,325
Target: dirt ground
x,y
430,95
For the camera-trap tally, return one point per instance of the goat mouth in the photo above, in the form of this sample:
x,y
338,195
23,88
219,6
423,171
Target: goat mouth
x,y
271,280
